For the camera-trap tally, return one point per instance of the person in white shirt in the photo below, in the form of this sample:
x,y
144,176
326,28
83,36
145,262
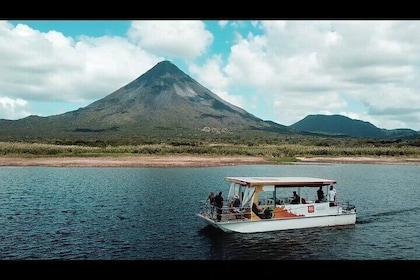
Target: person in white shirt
x,y
332,195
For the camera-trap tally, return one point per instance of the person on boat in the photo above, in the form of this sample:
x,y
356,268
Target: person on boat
x,y
218,201
211,199
236,203
236,206
263,213
320,194
332,195
296,198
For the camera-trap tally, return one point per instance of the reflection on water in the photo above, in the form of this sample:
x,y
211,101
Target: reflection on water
x,y
301,244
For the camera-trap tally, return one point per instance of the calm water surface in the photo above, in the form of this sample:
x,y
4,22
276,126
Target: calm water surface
x,y
54,213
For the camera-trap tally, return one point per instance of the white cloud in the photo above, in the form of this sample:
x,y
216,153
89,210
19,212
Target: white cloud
x,y
280,70
301,66
51,67
211,73
173,38
223,23
11,108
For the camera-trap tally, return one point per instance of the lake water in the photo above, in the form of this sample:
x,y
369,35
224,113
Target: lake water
x,y
55,213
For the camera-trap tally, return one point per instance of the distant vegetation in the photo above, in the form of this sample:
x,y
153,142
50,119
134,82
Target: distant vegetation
x,y
285,149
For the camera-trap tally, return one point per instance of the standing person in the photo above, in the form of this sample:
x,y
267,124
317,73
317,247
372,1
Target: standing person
x,y
320,194
332,195
218,200
211,199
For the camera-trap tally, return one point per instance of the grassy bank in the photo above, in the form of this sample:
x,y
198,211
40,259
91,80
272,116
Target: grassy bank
x,y
281,152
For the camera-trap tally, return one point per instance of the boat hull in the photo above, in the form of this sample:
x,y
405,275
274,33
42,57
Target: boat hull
x,y
248,226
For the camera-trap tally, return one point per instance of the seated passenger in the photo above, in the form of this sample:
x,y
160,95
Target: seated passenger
x,y
296,198
261,212
236,204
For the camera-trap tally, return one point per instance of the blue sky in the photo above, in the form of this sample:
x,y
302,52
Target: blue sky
x,y
278,70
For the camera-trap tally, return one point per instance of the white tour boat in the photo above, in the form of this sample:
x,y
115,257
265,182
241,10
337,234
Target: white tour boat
x,y
266,205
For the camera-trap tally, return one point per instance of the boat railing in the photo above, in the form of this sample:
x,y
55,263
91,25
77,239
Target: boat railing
x,y
226,212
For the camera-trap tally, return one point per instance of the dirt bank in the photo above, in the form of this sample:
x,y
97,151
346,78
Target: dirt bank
x,y
187,161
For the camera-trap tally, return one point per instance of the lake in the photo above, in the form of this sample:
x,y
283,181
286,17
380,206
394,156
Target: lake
x,y
62,213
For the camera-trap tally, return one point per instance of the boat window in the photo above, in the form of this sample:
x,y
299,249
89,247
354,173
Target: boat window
x,y
266,197
248,194
268,188
235,189
284,195
244,192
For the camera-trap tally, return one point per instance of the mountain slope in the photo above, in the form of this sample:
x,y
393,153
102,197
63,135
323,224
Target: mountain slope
x,y
342,125
162,103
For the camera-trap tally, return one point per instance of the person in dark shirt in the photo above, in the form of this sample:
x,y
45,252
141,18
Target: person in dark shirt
x,y
236,206
320,194
296,198
263,213
218,201
236,201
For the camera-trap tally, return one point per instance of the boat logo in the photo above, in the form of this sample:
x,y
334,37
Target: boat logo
x,y
311,209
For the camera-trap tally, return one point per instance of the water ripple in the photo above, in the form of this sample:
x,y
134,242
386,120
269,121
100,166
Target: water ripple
x,y
150,214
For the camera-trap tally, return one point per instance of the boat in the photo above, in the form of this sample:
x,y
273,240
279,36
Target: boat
x,y
266,205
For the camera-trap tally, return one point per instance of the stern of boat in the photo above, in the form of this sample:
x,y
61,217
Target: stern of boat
x,y
348,208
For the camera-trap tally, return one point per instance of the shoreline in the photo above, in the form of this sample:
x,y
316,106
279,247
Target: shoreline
x,y
192,161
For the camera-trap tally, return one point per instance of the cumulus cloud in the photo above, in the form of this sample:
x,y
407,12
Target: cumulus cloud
x,y
279,70
13,107
173,38
51,67
310,67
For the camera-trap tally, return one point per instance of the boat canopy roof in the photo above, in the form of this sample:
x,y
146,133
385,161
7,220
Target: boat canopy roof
x,y
283,182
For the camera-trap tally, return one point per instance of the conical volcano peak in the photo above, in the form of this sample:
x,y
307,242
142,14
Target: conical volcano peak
x,y
164,69
161,77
